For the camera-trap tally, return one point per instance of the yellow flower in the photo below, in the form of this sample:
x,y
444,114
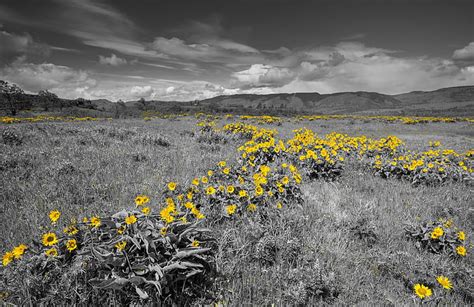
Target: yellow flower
x,y
226,171
204,179
49,239
189,205
121,229
172,186
222,163
195,243
448,223
230,189
121,245
210,191
189,195
54,216
141,200
243,193
461,251
129,220
95,221
285,180
230,209
85,220
7,258
461,236
163,231
258,190
71,245
445,282
210,173
146,210
71,230
221,188
422,291
279,205
170,201
436,233
252,207
19,250
52,252
196,181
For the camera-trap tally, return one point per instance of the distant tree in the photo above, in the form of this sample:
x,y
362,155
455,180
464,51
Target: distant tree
x,y
142,104
10,94
49,99
119,108
84,103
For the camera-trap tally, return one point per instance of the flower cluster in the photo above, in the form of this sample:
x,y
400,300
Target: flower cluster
x,y
439,237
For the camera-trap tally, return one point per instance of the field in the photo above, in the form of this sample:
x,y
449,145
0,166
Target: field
x,y
343,238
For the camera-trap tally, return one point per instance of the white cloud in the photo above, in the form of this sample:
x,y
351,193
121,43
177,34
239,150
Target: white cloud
x,y
465,54
112,60
142,91
260,75
31,77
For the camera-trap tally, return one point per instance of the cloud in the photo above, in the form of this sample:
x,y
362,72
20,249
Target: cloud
x,y
14,45
142,91
31,77
465,54
113,60
260,75
215,50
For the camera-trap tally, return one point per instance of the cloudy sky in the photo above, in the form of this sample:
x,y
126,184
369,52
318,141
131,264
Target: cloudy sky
x,y
186,50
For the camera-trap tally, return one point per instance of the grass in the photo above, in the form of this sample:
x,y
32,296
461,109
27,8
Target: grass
x,y
345,244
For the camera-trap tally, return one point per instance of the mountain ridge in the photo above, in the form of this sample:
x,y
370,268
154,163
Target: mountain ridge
x,y
451,101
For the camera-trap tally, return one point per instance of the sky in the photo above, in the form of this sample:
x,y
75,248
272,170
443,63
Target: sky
x,y
187,50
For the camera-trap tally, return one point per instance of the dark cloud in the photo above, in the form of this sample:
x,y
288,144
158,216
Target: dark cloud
x,y
13,45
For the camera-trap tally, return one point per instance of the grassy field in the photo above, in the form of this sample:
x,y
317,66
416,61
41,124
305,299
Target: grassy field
x,y
344,244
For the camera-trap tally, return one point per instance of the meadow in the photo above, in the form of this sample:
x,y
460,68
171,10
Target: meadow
x,y
337,226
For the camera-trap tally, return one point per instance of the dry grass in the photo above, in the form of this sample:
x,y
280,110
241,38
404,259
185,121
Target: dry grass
x,y
345,243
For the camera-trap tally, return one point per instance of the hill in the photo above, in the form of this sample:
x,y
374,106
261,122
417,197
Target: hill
x,y
453,101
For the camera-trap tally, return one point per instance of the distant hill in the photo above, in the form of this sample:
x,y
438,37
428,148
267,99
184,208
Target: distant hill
x,y
453,101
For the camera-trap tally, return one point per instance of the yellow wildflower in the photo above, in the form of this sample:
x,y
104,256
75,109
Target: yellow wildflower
x,y
52,252
445,282
129,220
172,186
7,258
195,243
121,229
49,239
461,251
146,210
95,221
71,230
54,216
163,231
422,291
210,191
19,250
71,245
461,236
252,207
437,233
230,209
121,245
141,200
